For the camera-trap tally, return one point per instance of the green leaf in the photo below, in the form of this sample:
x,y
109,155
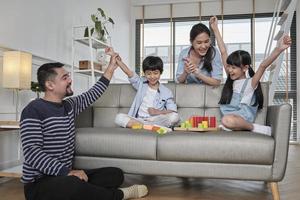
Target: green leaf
x,y
92,31
102,32
94,18
111,21
86,32
98,26
35,87
102,12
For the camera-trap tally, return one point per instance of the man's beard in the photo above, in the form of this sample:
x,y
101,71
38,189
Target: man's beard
x,y
69,91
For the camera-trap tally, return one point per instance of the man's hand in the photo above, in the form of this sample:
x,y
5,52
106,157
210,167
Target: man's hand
x,y
80,174
112,66
113,61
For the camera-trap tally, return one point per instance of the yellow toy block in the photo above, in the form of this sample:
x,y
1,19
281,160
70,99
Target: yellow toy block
x,y
205,124
137,126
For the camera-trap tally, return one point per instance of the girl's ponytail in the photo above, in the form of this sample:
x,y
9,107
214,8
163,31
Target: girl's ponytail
x,y
258,91
227,92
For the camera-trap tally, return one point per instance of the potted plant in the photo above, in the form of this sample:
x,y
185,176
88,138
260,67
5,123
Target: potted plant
x,y
100,20
35,87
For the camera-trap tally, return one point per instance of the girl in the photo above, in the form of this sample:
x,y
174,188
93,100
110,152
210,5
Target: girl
x,y
201,62
241,96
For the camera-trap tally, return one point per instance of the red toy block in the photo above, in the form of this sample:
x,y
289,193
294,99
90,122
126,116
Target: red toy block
x,y
212,122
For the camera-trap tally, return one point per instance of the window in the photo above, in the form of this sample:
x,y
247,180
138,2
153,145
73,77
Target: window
x,y
237,31
157,43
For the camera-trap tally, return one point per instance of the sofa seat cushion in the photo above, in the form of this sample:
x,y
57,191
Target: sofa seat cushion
x,y
115,143
224,147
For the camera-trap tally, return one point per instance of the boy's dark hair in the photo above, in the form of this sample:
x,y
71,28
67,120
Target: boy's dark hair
x,y
240,58
211,52
45,72
153,63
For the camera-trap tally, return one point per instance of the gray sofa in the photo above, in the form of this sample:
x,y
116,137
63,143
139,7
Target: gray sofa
x,y
240,155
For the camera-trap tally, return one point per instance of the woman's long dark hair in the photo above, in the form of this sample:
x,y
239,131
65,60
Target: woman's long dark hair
x,y
240,58
211,52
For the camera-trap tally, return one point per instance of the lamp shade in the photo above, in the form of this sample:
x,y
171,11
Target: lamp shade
x,y
17,70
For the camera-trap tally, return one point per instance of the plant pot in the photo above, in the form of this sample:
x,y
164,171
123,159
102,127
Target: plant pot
x,y
101,37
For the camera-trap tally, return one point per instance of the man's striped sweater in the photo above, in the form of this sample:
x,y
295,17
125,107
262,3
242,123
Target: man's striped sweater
x,y
48,133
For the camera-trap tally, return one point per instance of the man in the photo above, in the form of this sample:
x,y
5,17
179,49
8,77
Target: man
x,y
48,140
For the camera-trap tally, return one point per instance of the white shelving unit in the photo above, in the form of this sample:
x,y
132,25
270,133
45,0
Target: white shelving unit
x,y
92,45
287,7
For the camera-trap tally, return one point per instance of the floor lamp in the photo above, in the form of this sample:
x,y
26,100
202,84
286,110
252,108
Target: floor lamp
x,y
17,72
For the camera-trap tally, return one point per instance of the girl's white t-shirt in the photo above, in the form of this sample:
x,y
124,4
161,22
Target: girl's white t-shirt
x,y
147,102
248,93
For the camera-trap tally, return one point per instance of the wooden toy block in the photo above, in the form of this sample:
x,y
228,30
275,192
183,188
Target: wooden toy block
x,y
148,127
137,126
162,131
196,129
155,128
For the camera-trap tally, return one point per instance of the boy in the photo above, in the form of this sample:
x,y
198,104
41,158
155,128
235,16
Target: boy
x,y
154,103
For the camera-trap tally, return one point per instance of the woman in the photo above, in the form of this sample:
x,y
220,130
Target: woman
x,y
201,62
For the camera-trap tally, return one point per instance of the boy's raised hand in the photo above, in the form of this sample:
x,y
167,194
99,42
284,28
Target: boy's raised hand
x,y
285,42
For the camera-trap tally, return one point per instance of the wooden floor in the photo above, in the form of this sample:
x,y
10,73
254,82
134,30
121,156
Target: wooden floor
x,y
172,188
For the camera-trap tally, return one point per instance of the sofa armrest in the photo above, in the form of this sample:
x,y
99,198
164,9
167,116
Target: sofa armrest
x,y
279,118
85,118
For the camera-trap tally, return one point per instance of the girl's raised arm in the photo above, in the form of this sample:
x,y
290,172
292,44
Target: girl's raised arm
x,y
284,43
213,21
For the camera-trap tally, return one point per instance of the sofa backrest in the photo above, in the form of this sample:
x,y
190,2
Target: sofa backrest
x,y
191,99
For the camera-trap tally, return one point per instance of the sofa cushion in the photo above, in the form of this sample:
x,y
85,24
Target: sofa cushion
x,y
224,147
110,98
190,95
116,143
127,95
105,117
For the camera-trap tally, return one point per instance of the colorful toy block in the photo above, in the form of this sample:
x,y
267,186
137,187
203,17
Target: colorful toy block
x,y
162,131
137,126
194,121
148,127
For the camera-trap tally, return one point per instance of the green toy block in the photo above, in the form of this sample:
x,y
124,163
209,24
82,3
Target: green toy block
x,y
182,125
200,125
161,131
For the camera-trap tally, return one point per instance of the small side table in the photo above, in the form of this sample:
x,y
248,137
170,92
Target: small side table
x,y
9,125
15,171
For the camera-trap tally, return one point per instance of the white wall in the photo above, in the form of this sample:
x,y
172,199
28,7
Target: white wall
x,y
44,27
